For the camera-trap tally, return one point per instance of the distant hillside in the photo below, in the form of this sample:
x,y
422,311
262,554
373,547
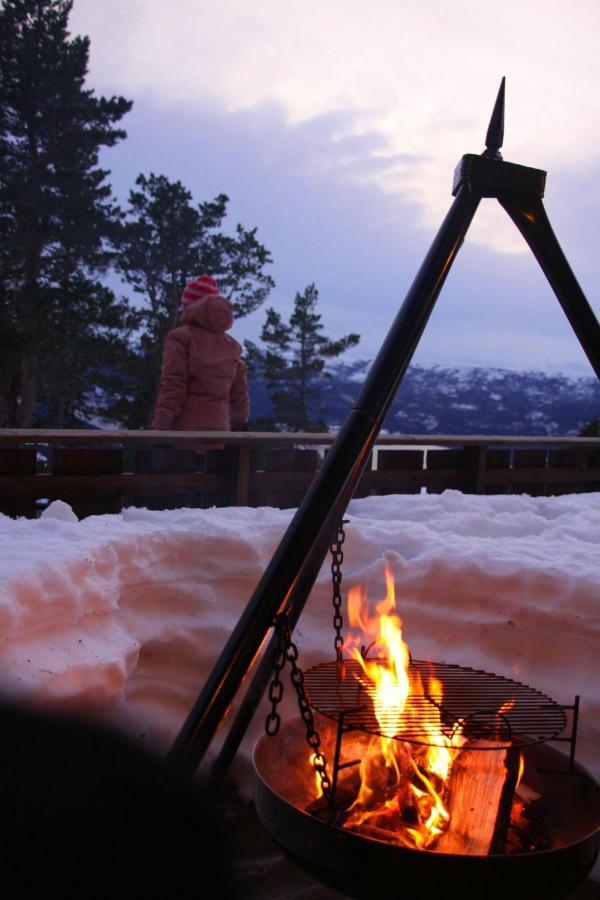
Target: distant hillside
x,y
464,401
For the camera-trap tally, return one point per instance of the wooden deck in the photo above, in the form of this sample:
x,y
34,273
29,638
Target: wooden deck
x,y
260,871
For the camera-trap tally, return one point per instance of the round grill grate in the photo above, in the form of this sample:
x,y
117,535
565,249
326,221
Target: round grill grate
x,y
493,710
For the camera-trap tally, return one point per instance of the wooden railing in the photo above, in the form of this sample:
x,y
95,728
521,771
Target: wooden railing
x,y
103,471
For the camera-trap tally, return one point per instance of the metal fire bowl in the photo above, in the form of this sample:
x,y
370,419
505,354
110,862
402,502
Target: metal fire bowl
x,y
363,867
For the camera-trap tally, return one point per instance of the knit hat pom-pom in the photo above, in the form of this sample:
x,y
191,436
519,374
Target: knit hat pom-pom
x,y
199,287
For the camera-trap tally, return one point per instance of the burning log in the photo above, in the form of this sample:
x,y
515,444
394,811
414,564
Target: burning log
x,y
480,793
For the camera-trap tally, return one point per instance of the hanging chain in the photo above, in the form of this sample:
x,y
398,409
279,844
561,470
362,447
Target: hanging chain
x,y
337,558
273,720
286,649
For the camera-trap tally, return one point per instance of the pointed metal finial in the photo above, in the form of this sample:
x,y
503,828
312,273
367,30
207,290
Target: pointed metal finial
x,y
495,132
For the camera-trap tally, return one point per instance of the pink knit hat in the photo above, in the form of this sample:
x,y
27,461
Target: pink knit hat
x,y
199,287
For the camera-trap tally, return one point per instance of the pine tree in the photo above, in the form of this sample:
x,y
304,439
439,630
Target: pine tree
x,y
56,214
294,362
165,241
85,368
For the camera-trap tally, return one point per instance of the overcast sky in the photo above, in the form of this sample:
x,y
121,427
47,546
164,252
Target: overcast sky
x,y
334,126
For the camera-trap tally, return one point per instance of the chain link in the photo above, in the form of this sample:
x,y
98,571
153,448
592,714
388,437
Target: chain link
x,y
273,720
312,736
286,649
337,558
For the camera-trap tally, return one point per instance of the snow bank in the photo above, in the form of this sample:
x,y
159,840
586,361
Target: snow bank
x,y
124,615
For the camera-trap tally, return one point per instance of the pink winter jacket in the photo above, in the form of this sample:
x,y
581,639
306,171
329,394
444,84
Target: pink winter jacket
x,y
203,384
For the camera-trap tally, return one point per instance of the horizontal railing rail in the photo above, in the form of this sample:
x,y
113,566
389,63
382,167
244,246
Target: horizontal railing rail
x,y
101,471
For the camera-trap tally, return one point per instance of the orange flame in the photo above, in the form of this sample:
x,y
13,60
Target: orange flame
x,y
521,771
318,782
402,786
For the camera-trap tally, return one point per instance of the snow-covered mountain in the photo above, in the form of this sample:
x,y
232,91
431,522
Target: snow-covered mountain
x,y
465,401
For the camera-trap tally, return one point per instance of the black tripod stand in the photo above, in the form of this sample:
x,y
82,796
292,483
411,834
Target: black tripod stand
x,y
288,579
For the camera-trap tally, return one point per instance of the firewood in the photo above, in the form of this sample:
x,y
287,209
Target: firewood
x,y
526,794
474,795
511,763
320,808
382,834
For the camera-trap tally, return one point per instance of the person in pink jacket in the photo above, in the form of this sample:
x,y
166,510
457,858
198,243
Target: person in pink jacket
x,y
203,384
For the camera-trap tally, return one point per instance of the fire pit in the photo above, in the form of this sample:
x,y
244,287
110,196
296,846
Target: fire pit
x,y
444,772
363,866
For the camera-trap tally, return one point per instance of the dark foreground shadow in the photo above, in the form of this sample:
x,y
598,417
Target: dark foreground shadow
x,y
86,814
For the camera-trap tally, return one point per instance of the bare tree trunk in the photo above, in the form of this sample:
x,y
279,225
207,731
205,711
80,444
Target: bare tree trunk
x,y
175,302
6,402
29,388
154,377
29,327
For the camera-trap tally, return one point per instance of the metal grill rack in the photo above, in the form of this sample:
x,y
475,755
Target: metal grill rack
x,y
468,697
496,712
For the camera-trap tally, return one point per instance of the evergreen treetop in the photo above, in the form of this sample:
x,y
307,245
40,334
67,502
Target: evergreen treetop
x,y
294,360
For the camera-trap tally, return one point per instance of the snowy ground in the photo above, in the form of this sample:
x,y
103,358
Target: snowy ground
x,y
124,615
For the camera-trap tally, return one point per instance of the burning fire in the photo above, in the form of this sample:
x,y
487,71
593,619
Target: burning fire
x,y
414,783
402,786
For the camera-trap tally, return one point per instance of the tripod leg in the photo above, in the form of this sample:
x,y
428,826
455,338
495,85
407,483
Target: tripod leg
x,y
264,669
530,217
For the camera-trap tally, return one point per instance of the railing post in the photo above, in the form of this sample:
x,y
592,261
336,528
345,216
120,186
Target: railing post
x,y
481,469
242,475
474,478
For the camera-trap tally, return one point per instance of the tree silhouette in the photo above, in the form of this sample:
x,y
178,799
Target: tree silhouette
x,y
294,361
57,215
